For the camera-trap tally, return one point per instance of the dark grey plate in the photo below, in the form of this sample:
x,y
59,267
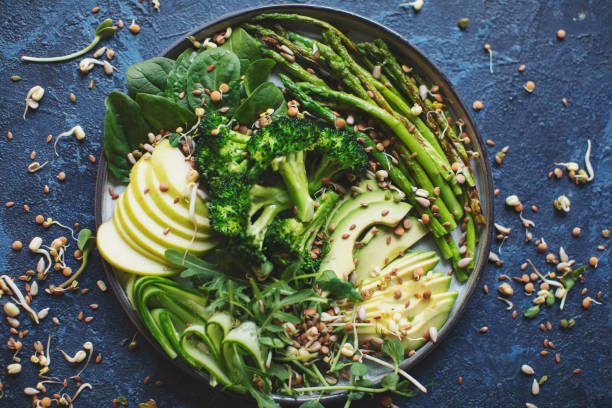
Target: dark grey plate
x,y
359,28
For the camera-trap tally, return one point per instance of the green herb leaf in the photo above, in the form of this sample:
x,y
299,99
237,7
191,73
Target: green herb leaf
x,y
364,382
359,369
85,237
173,139
226,69
338,289
531,312
271,342
390,381
162,113
394,349
356,395
150,76
257,73
279,372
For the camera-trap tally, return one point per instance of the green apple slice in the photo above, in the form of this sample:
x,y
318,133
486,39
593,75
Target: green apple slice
x,y
121,255
156,248
152,227
153,231
170,167
159,205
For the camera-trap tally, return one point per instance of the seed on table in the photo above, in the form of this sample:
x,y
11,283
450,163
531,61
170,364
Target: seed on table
x,y
460,380
521,68
92,159
593,261
134,28
98,358
477,105
88,319
17,245
586,302
560,34
577,371
95,10
483,329
576,232
557,358
529,86
11,309
101,285
527,369
605,233
55,321
94,306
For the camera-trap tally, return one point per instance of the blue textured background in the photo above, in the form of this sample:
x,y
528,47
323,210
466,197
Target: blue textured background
x,y
538,129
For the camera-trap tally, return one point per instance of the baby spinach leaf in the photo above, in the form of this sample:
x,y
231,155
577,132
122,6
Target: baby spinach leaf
x,y
177,77
257,73
162,113
279,372
267,95
148,76
124,130
338,289
226,69
244,46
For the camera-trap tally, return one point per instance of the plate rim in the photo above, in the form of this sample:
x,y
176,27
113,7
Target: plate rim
x,y
488,187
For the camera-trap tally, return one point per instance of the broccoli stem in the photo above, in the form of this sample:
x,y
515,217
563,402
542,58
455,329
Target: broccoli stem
x,y
257,229
292,169
326,168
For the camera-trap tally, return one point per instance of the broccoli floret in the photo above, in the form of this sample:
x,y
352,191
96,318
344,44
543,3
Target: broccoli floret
x,y
242,212
282,146
220,151
339,151
289,239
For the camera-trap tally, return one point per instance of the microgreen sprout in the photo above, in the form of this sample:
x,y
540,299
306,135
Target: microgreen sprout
x,y
570,166
506,301
32,99
487,48
21,300
416,5
35,166
587,161
104,31
85,243
562,203
78,132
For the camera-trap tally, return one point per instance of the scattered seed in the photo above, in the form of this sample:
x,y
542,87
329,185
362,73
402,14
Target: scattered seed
x,y
483,329
576,232
477,105
528,370
101,285
521,68
560,34
134,28
17,245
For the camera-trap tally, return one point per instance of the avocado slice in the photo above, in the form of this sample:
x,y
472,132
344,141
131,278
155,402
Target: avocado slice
x,y
363,186
357,201
384,247
340,256
413,322
403,268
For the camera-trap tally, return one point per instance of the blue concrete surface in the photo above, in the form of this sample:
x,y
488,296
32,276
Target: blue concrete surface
x,y
537,127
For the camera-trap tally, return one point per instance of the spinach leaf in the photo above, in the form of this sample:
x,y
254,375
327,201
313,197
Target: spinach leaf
x,y
177,77
257,73
338,289
226,69
267,95
162,113
148,76
244,46
124,130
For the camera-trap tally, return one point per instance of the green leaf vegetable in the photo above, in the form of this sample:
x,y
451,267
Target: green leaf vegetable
x,y
256,74
162,113
265,96
338,289
149,77
208,71
86,241
124,129
104,31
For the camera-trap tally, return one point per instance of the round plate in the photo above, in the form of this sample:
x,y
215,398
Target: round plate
x,y
358,28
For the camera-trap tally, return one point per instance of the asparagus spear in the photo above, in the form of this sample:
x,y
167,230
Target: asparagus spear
x,y
444,208
295,69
